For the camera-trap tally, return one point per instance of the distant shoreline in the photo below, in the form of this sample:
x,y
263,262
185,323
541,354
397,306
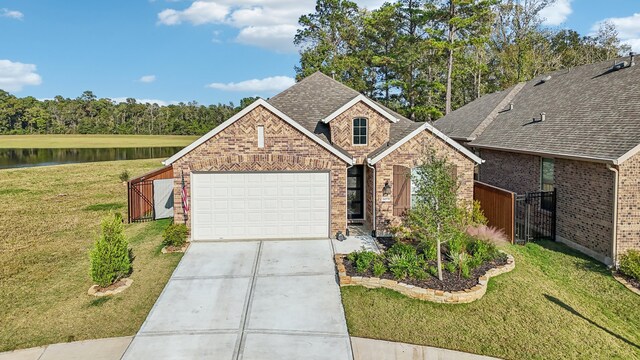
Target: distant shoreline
x,y
92,141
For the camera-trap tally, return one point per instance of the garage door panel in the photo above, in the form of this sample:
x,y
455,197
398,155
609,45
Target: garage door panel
x,y
260,205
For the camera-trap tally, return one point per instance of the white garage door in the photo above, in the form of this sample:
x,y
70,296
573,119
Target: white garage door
x,y
259,205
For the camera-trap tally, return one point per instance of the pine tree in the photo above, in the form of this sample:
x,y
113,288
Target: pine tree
x,y
110,257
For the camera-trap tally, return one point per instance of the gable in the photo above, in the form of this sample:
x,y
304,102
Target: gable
x,y
255,105
355,100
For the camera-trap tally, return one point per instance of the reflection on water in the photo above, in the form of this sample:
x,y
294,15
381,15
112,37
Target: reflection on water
x,y
15,158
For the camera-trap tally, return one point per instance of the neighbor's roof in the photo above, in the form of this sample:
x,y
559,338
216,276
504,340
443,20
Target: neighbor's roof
x,y
592,113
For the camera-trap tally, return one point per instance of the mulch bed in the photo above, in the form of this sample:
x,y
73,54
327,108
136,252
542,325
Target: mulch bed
x,y
450,282
634,282
113,286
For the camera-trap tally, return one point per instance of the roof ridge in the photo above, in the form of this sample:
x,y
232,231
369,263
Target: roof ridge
x,y
496,111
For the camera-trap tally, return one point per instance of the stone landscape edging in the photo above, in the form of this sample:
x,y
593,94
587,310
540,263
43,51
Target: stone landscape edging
x,y
184,247
626,284
95,289
438,296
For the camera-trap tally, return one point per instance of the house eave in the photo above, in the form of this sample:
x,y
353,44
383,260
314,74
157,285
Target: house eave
x,y
245,111
550,154
356,100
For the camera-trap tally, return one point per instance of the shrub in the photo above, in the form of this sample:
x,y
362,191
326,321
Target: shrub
x,y
110,257
175,235
429,249
630,264
124,176
401,249
406,263
459,262
378,268
471,215
488,233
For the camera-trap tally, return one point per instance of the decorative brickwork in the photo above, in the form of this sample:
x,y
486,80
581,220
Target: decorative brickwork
x,y
410,154
342,131
439,296
584,189
286,149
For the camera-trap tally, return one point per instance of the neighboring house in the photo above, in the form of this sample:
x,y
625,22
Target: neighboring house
x,y
586,145
306,163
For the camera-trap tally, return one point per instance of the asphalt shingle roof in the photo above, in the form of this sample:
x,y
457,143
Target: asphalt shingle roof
x,y
318,96
591,112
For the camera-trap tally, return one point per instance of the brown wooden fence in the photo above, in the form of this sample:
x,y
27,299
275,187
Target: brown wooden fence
x,y
498,206
140,194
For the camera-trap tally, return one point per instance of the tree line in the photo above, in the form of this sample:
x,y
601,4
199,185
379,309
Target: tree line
x,y
424,58
88,114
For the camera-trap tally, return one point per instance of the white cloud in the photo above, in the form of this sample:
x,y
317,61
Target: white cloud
x,y
200,12
147,79
628,29
273,83
14,14
15,75
270,24
556,13
276,37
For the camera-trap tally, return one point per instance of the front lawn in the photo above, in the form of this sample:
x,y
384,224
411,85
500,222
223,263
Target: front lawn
x,y
556,304
50,218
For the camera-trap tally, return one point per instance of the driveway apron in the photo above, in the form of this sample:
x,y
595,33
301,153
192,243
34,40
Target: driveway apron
x,y
248,300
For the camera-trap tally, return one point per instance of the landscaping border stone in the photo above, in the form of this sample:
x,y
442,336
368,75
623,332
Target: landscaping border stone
x,y
95,289
181,250
438,296
626,284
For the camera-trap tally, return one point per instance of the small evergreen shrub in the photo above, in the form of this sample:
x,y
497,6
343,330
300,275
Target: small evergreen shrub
x,y
110,257
406,263
124,176
630,264
378,268
175,235
429,248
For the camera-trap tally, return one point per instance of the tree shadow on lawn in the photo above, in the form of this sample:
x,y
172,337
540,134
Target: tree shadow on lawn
x,y
560,303
587,263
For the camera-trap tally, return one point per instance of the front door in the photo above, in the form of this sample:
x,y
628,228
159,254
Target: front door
x,y
355,192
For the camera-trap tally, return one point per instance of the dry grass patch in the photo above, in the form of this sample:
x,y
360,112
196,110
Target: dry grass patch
x,y
93,141
556,304
46,232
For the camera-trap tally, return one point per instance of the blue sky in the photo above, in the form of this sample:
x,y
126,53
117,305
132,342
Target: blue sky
x,y
209,51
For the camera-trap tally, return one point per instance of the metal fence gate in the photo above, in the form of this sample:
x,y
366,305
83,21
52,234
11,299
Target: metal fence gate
x,y
535,216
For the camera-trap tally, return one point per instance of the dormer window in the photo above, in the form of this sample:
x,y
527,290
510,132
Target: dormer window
x,y
359,131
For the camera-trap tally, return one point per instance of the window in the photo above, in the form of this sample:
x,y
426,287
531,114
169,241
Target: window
x,y
546,182
260,136
359,131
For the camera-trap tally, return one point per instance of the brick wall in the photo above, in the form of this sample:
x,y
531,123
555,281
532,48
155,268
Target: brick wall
x,y
629,205
342,131
584,194
286,149
410,154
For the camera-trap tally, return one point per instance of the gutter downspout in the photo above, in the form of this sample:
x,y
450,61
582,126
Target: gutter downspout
x,y
375,202
614,239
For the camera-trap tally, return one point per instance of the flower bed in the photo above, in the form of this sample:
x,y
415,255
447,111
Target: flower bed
x,y
466,295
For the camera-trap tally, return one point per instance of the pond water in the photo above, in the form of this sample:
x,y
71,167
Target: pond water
x,y
16,158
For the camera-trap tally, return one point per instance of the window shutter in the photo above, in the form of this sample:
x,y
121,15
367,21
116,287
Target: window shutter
x,y
401,189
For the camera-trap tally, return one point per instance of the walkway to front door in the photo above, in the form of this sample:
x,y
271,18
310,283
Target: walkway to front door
x,y
248,300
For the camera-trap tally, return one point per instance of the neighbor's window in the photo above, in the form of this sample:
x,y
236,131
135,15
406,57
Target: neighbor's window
x,y
359,131
546,182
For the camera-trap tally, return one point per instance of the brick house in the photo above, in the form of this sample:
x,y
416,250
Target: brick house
x,y
575,130
305,164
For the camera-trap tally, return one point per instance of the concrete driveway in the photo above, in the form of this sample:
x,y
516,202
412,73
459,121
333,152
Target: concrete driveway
x,y
248,300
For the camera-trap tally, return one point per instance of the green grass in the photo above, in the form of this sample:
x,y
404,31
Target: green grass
x,y
93,141
556,304
51,217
